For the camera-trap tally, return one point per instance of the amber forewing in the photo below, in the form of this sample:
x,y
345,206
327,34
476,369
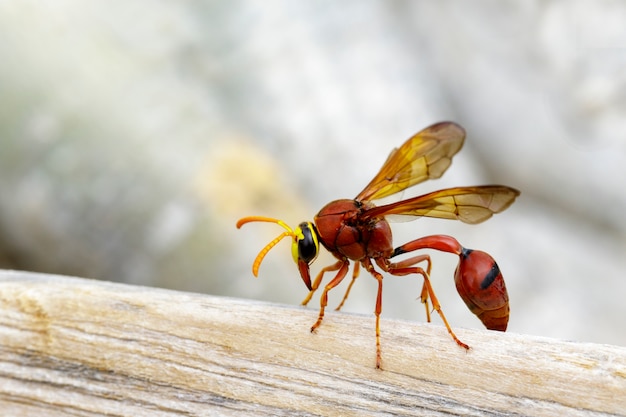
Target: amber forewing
x,y
424,156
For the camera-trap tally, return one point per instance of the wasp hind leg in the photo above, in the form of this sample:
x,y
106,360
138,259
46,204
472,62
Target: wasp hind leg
x,y
407,267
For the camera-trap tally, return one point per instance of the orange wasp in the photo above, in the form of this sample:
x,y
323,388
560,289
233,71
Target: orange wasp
x,y
356,230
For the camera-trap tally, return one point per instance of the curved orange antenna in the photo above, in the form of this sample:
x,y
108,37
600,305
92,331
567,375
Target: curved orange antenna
x,y
251,219
259,258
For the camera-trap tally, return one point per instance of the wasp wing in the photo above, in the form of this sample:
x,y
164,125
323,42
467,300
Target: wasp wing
x,y
467,204
425,155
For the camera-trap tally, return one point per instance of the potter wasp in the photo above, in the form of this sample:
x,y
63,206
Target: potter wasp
x,y
356,230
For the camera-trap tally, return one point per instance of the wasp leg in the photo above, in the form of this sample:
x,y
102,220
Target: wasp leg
x,y
343,270
355,275
379,306
318,280
404,268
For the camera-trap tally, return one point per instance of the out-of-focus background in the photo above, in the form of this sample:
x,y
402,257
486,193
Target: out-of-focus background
x,y
134,134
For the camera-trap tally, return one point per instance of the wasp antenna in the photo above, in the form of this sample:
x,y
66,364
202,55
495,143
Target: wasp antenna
x,y
288,232
259,258
250,219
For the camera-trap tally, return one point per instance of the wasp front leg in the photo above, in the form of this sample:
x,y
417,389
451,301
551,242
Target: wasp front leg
x,y
343,270
318,280
320,276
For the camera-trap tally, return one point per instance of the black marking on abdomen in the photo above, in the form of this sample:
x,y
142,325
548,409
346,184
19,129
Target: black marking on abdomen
x,y
490,277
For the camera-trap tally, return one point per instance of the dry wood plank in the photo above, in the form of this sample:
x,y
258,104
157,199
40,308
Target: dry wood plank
x,y
71,346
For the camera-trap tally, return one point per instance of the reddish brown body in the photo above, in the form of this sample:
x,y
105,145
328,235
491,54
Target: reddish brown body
x,y
480,284
344,233
356,230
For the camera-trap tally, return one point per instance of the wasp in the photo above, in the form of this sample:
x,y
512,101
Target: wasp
x,y
356,230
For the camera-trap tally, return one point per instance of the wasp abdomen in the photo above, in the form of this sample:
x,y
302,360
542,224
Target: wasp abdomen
x,y
480,284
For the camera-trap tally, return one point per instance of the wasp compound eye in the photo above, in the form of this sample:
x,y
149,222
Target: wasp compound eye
x,y
308,245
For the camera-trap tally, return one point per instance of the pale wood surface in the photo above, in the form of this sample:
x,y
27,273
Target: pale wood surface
x,y
79,347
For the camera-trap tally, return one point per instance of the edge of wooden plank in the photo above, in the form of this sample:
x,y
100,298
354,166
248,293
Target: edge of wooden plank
x,y
99,347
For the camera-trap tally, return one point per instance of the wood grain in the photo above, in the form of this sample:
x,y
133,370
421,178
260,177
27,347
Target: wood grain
x,y
77,347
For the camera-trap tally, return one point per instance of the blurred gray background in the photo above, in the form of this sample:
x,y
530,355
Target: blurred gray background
x,y
134,134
